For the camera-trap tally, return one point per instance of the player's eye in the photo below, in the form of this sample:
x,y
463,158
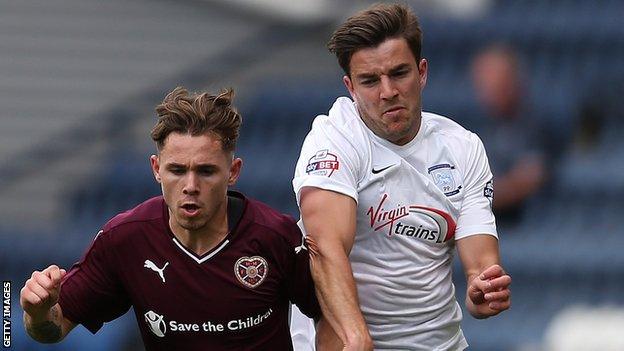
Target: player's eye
x,y
369,81
401,73
205,172
177,171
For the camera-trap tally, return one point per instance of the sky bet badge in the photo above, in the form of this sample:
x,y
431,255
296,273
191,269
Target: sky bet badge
x,y
323,163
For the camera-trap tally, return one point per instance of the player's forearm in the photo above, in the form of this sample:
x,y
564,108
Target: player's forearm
x,y
47,328
337,295
479,253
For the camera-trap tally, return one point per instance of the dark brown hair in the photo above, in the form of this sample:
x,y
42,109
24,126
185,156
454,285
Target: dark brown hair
x,y
197,114
373,26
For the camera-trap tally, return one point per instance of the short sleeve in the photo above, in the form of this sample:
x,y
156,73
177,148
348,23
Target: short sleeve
x,y
91,293
328,160
476,216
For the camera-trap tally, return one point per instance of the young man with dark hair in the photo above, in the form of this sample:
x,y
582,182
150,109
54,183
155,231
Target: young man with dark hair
x,y
387,192
204,268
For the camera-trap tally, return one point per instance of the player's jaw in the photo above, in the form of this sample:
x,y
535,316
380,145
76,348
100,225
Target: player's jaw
x,y
197,214
395,118
400,121
396,123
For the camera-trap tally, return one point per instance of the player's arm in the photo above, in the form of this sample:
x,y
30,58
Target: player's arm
x,y
329,220
43,316
488,291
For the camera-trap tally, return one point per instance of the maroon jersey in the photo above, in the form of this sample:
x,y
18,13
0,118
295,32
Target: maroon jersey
x,y
234,297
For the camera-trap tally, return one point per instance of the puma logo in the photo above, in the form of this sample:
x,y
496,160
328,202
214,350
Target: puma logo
x,y
302,246
149,264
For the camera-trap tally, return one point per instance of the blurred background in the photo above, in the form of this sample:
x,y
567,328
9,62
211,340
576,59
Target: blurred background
x,y
539,81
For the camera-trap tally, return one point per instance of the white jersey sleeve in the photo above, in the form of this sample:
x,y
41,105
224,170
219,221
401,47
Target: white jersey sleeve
x,y
329,159
476,216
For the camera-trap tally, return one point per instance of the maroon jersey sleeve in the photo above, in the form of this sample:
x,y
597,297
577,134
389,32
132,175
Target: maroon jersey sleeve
x,y
300,285
91,293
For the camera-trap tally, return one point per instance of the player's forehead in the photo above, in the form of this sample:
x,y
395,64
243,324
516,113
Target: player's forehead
x,y
182,148
391,54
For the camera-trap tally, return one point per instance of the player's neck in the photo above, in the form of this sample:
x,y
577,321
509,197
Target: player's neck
x,y
201,243
204,239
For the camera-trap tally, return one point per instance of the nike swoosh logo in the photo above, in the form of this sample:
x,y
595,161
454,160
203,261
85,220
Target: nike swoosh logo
x,y
375,171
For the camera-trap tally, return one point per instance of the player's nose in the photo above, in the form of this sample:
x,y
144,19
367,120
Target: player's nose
x,y
191,184
388,90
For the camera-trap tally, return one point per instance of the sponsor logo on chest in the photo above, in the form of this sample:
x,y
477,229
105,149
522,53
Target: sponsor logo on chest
x,y
419,222
160,326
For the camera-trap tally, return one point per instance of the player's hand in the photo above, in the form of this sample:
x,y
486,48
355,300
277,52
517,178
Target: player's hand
x,y
41,291
488,293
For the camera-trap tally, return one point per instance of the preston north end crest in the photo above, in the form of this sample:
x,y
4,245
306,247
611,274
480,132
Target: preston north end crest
x,y
442,175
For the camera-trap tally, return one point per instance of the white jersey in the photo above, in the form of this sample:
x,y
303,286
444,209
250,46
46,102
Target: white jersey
x,y
413,202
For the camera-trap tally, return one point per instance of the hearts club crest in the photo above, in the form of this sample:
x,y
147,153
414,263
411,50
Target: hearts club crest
x,y
251,271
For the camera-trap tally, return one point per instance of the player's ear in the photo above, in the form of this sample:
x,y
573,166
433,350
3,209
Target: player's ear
x,y
155,164
349,84
422,72
235,170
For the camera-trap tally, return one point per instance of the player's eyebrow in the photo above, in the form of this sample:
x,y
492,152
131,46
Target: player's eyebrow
x,y
366,75
175,165
201,166
393,70
206,167
398,68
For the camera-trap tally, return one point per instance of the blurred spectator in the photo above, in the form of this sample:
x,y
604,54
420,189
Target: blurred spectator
x,y
510,130
600,114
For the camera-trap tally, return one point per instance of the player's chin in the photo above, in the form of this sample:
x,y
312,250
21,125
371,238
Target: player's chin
x,y
194,223
398,133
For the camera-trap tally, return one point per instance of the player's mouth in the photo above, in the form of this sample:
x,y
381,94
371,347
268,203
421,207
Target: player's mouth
x,y
393,111
190,209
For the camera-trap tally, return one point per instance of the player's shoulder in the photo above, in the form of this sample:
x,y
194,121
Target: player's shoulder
x,y
442,127
342,121
129,221
272,222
